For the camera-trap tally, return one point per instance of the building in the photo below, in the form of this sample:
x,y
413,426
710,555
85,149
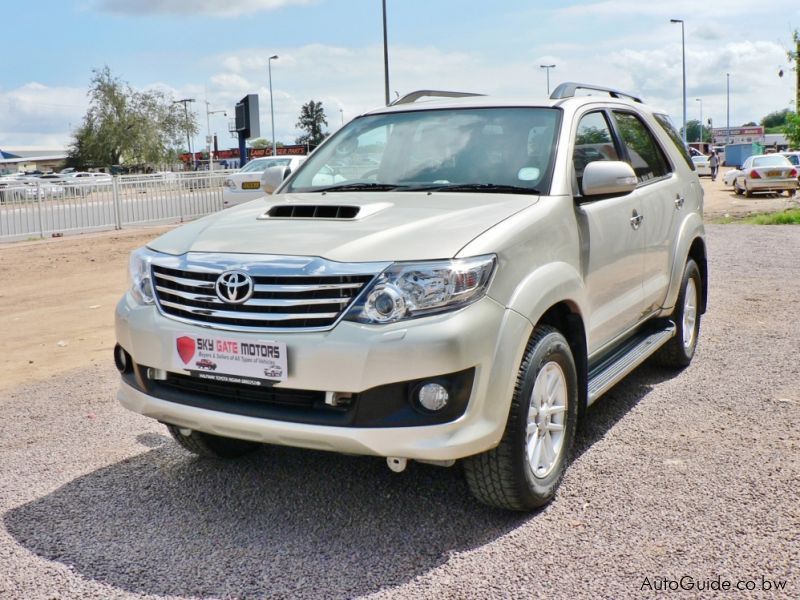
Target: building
x,y
20,161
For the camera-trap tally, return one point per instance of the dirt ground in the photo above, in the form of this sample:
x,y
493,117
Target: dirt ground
x,y
57,296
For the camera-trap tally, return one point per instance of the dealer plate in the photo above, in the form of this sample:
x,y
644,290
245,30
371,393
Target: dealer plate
x,y
230,358
251,185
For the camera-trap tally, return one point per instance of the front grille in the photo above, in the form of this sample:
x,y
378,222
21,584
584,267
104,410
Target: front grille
x,y
278,302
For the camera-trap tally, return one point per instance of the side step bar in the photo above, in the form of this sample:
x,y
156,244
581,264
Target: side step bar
x,y
609,371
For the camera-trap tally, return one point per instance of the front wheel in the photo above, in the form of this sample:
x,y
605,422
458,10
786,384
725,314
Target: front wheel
x,y
679,351
523,472
209,445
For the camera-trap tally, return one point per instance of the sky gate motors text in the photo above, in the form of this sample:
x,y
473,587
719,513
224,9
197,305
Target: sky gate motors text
x,y
243,348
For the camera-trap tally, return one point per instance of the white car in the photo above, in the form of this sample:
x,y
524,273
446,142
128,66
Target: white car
x,y
245,184
730,176
702,165
771,173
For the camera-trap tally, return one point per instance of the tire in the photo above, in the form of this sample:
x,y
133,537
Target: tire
x,y
212,446
679,351
737,189
503,477
747,191
790,193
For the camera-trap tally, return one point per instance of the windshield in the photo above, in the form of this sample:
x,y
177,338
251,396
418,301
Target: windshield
x,y
260,165
507,150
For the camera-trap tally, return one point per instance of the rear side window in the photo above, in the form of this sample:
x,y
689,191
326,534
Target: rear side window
x,y
645,155
666,125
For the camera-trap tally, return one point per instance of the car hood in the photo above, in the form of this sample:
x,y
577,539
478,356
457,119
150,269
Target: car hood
x,y
389,226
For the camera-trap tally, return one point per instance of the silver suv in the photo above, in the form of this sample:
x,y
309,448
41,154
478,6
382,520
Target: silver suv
x,y
446,279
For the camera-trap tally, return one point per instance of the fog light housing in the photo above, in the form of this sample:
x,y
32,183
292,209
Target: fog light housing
x,y
122,360
432,397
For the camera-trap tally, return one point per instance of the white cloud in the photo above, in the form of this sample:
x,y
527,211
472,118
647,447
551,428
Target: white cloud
x,y
216,8
35,115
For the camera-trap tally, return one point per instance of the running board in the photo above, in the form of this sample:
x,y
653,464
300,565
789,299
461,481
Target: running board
x,y
625,359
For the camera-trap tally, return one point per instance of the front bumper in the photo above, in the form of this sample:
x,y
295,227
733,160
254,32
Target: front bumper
x,y
353,358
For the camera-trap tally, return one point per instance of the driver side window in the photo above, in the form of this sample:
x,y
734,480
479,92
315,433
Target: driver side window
x,y
593,142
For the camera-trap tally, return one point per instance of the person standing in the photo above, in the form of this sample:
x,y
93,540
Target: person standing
x,y
713,162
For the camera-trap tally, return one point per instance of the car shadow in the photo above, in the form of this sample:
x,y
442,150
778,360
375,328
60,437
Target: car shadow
x,y
282,522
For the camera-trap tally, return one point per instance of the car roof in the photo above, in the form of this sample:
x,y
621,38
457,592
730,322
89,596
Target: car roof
x,y
481,101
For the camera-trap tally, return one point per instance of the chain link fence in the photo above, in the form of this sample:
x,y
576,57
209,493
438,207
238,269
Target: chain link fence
x,y
43,208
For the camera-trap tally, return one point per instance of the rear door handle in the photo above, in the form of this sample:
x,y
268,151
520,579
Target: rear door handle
x,y
636,219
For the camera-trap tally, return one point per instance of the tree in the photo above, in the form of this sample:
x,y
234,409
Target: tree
x,y
791,129
263,143
775,119
123,125
312,118
696,132
750,124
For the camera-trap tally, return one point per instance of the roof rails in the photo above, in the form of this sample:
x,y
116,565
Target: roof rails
x,y
568,89
414,96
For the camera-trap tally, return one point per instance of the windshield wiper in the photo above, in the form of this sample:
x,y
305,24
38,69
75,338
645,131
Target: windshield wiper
x,y
490,188
359,187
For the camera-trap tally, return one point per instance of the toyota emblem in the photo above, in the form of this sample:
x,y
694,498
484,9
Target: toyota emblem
x,y
234,287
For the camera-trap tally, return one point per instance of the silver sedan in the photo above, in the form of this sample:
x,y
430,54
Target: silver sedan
x,y
766,173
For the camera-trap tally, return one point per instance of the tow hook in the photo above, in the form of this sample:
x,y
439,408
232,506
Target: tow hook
x,y
397,464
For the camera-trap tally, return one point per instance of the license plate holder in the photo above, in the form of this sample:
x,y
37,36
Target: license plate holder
x,y
230,358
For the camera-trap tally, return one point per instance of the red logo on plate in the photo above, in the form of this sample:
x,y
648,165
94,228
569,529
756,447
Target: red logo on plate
x,y
186,348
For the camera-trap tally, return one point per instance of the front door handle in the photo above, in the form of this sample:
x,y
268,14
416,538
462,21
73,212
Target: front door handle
x,y
679,200
636,219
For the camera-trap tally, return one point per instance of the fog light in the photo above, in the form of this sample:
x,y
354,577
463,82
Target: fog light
x,y
122,359
432,396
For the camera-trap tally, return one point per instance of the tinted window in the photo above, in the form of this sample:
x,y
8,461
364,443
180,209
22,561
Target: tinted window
x,y
645,156
593,142
673,134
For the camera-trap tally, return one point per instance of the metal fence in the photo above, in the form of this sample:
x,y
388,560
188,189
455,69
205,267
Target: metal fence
x,y
42,208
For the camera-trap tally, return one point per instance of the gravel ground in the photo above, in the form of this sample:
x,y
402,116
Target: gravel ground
x,y
692,474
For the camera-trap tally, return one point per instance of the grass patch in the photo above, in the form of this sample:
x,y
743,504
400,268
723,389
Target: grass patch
x,y
787,217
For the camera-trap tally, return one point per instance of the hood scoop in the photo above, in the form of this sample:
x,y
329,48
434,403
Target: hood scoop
x,y
311,211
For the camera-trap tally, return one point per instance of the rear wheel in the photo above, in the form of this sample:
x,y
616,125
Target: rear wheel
x,y
737,189
747,191
678,352
209,445
523,472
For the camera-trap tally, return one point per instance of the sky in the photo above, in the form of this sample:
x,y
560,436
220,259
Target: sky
x,y
332,51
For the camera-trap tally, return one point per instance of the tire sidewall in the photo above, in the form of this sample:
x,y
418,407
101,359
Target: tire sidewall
x,y
553,347
690,271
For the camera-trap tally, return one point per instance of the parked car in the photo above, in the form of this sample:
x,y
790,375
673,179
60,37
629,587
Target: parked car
x,y
730,177
766,173
702,165
245,184
466,297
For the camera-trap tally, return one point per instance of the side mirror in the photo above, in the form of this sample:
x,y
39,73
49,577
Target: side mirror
x,y
273,177
605,177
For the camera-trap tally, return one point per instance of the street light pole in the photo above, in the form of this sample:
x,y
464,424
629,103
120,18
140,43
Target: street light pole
x,y
728,110
547,68
185,102
683,55
271,106
385,56
700,100
209,139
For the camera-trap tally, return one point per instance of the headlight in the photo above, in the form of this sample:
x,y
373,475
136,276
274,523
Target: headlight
x,y
228,183
139,274
408,290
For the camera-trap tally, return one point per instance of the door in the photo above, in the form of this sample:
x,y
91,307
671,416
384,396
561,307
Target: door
x,y
612,243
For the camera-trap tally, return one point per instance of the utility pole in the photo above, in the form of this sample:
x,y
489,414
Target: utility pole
x,y
185,103
728,110
385,57
209,138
